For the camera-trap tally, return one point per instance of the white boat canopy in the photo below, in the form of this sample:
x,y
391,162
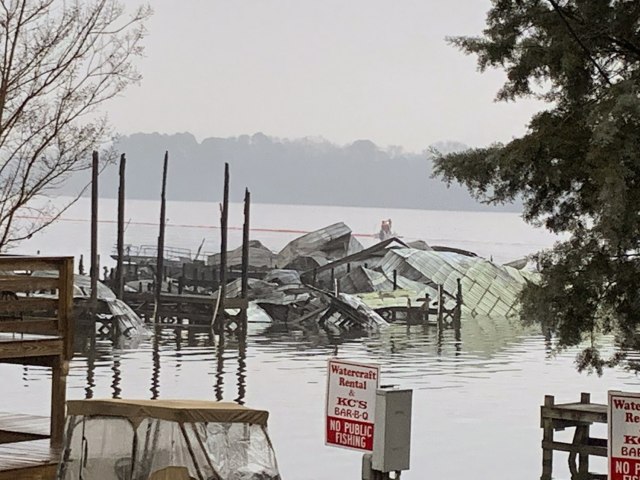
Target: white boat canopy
x,y
166,439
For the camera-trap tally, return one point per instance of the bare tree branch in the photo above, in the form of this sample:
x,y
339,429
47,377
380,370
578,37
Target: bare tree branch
x,y
61,60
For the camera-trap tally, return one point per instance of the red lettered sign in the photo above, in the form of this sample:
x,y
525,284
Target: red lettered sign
x,y
351,397
624,436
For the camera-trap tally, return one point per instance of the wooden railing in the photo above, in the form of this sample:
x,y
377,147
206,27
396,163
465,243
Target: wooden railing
x,y
36,323
36,297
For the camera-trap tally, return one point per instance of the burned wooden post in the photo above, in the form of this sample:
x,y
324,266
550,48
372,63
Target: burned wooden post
x,y
81,265
245,254
119,266
94,269
582,437
547,440
245,244
224,219
457,315
395,279
440,306
163,215
425,317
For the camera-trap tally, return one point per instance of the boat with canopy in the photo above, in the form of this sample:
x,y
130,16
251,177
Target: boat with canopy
x,y
166,440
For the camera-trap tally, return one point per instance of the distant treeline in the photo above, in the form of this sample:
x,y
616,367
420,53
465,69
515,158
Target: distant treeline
x,y
303,171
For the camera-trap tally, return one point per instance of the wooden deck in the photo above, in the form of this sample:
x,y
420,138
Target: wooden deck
x,y
198,309
30,460
579,415
17,427
26,346
36,328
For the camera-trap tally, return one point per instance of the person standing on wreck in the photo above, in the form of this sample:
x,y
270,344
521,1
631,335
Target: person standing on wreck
x,y
385,230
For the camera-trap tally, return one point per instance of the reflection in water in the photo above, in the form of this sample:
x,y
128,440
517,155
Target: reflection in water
x,y
91,365
282,369
115,384
400,344
219,387
242,366
155,373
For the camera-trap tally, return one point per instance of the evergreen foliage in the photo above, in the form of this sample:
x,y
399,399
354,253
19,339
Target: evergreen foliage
x,y
577,169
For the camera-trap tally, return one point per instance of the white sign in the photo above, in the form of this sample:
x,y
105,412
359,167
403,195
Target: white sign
x,y
351,398
624,436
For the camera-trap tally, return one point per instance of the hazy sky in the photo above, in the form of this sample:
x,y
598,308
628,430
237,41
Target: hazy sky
x,y
340,69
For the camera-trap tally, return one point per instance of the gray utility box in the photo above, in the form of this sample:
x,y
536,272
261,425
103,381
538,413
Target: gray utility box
x,y
392,432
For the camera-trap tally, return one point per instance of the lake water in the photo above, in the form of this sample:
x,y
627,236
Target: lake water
x,y
476,398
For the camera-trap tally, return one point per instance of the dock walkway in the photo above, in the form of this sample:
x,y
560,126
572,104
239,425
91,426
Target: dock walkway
x,y
35,329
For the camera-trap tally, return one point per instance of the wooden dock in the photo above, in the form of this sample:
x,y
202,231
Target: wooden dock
x,y
580,416
36,328
197,309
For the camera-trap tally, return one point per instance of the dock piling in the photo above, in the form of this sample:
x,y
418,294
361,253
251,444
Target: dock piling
x,y
547,439
440,306
163,219
224,221
121,199
94,270
245,252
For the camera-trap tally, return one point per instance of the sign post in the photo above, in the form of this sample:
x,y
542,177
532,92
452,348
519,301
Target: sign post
x,y
350,410
624,436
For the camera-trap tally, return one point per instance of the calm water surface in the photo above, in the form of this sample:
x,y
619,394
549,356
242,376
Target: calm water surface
x,y
476,398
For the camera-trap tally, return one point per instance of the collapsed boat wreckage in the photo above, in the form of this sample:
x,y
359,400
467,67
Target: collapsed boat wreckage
x,y
329,277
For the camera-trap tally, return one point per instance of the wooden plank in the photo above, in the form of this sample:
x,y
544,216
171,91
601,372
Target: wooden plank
x,y
28,304
577,448
19,422
65,307
32,460
12,437
27,283
594,413
46,326
31,348
41,472
38,361
58,400
32,264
